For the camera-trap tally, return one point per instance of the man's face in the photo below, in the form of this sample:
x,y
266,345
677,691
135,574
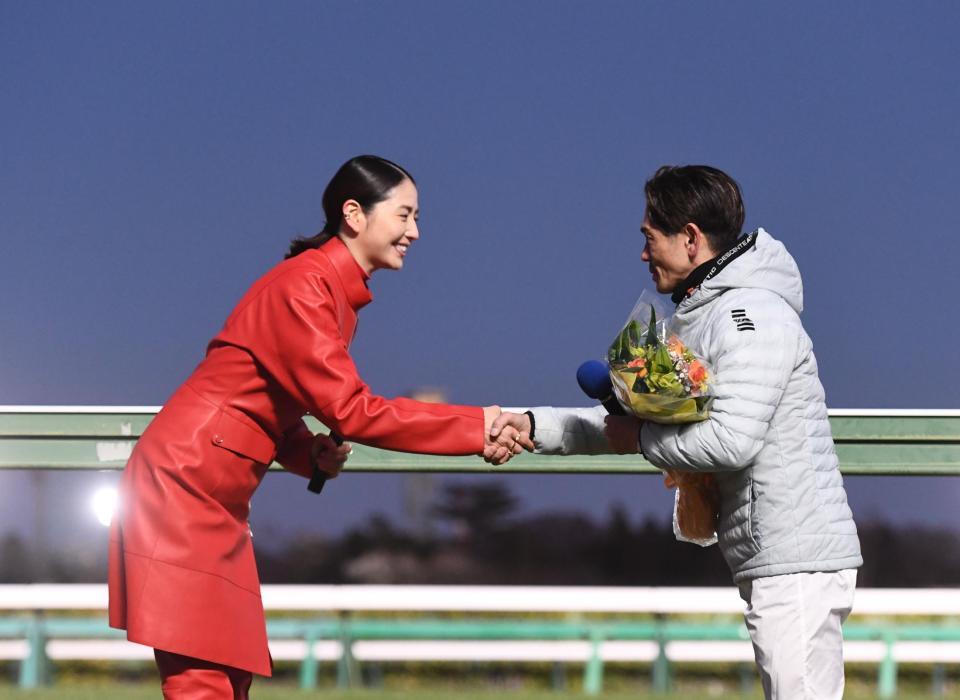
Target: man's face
x,y
667,257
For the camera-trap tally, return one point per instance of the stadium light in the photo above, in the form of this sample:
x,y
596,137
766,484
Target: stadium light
x,y
104,504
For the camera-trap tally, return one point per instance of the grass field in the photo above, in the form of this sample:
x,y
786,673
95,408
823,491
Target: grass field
x,y
136,681
278,693
267,691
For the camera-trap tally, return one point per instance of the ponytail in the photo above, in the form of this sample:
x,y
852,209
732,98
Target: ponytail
x,y
298,245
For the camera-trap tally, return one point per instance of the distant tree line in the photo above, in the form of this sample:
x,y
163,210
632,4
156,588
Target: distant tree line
x,y
481,539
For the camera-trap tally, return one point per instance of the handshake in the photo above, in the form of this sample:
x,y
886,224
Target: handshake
x,y
505,434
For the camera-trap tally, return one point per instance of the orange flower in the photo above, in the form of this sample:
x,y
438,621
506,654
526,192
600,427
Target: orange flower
x,y
697,372
675,345
642,364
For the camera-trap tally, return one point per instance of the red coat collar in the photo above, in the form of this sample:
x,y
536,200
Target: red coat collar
x,y
352,276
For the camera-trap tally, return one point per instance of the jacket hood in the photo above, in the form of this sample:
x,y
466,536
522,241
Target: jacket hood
x,y
766,265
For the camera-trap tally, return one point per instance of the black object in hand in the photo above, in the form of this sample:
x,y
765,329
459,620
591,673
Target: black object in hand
x,y
319,477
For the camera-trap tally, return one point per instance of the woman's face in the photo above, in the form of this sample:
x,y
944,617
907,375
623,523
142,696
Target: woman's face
x,y
383,236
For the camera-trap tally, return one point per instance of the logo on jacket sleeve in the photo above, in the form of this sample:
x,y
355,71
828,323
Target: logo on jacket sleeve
x,y
740,318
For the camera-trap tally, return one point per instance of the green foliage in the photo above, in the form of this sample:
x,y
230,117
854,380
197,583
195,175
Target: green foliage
x,y
624,346
652,329
634,341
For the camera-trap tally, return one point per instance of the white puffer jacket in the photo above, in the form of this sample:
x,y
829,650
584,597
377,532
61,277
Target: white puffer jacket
x,y
784,509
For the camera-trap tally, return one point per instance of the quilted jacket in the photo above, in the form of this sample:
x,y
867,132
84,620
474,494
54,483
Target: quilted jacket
x,y
768,441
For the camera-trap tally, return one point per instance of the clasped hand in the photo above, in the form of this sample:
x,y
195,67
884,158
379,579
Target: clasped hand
x,y
509,435
505,435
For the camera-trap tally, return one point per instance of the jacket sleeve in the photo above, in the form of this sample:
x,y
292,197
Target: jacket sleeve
x,y
752,369
292,330
293,453
568,431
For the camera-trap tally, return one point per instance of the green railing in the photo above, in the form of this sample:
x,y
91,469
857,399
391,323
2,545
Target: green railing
x,y
37,630
872,442
877,442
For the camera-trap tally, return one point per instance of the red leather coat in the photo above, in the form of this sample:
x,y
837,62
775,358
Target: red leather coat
x,y
182,572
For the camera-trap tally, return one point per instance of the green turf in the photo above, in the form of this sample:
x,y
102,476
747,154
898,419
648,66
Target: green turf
x,y
266,691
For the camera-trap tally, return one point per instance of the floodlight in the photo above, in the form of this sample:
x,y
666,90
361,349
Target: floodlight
x,y
104,504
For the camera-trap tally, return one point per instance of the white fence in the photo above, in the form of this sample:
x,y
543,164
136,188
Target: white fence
x,y
870,603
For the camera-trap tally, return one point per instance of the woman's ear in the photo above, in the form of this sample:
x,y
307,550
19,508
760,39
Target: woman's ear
x,y
354,220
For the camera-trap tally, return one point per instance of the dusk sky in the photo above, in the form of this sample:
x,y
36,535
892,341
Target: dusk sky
x,y
158,157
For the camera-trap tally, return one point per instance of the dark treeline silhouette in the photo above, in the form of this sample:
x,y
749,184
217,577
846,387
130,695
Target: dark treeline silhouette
x,y
479,537
485,541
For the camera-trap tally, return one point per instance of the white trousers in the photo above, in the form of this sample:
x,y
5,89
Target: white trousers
x,y
794,621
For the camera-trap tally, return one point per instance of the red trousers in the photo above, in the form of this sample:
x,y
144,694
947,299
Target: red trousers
x,y
187,678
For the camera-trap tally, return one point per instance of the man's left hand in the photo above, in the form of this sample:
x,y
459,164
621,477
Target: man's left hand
x,y
623,434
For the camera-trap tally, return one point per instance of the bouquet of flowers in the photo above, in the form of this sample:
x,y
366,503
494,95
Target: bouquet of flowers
x,y
657,378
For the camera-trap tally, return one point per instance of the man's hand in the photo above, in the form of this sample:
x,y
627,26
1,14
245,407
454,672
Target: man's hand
x,y
511,432
623,434
505,434
328,456
513,429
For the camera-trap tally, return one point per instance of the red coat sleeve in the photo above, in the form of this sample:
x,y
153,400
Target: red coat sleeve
x,y
292,330
294,452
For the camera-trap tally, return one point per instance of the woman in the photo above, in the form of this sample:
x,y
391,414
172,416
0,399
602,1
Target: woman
x,y
182,573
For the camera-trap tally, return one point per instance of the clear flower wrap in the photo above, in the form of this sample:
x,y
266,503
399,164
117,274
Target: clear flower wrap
x,y
656,377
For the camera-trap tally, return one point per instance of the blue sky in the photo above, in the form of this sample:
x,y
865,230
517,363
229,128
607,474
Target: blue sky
x,y
157,157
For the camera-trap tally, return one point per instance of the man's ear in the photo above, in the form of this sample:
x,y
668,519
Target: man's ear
x,y
354,220
693,240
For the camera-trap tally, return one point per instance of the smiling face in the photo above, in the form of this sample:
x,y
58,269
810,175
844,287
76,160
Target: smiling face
x,y
668,256
381,237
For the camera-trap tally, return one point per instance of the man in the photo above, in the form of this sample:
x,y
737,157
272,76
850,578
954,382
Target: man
x,y
785,528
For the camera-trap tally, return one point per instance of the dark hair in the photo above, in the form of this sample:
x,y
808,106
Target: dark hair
x,y
699,194
367,179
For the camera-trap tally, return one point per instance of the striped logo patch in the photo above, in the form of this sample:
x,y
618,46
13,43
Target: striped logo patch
x,y
740,318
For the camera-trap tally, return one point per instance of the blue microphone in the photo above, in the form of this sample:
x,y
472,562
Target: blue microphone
x,y
593,377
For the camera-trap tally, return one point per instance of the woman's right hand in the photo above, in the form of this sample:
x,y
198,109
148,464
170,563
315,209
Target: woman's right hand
x,y
328,456
504,435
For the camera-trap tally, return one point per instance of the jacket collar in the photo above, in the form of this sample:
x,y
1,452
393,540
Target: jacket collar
x,y
693,280
712,267
352,276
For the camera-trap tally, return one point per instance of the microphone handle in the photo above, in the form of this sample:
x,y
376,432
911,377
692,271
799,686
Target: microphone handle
x,y
613,406
319,478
